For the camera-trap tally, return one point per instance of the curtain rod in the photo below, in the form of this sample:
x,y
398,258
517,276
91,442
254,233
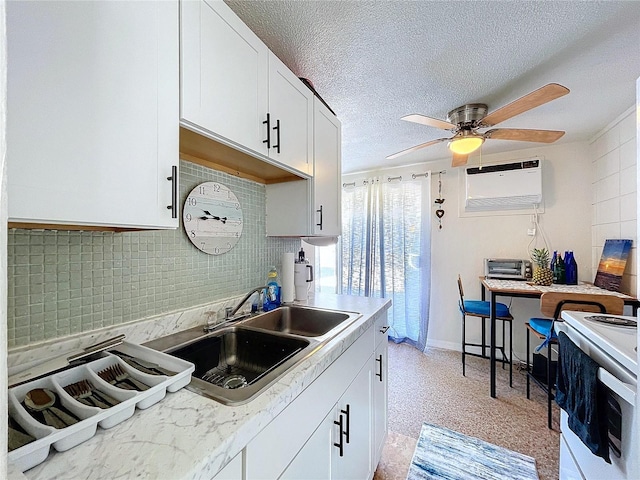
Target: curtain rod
x,y
399,177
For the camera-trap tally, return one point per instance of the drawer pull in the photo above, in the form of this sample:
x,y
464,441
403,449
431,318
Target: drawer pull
x,y
174,192
267,122
379,359
384,329
340,444
277,129
347,414
320,212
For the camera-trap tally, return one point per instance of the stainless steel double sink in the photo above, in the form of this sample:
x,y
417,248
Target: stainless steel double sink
x,y
236,363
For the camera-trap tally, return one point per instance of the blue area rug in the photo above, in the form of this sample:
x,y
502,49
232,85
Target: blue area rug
x,y
444,454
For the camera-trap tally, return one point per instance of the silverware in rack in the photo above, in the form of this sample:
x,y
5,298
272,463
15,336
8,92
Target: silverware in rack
x,y
85,393
117,377
143,365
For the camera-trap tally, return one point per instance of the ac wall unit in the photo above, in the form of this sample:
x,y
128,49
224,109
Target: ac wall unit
x,y
500,187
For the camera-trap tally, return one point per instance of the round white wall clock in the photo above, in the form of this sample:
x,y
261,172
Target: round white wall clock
x,y
212,218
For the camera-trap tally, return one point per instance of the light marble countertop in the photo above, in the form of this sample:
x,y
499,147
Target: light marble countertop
x,y
187,436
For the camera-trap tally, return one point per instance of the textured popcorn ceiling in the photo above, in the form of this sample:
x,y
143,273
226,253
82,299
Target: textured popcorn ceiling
x,y
374,62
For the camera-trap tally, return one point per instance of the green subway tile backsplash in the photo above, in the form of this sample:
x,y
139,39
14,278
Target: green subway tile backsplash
x,y
65,282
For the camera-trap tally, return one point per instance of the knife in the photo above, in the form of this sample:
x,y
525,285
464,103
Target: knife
x,y
62,362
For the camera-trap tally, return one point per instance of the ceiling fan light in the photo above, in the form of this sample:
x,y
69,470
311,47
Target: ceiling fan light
x,y
464,145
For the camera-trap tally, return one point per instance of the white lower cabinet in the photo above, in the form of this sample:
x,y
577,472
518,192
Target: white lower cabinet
x,y
232,471
380,388
313,462
352,437
327,432
380,399
340,448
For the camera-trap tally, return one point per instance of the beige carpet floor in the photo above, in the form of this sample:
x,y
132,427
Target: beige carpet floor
x,y
430,388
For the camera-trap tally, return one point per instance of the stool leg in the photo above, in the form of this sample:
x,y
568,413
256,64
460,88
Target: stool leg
x,y
549,416
463,344
511,354
504,357
484,351
529,369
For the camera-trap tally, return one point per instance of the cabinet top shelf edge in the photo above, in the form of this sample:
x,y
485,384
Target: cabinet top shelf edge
x,y
196,148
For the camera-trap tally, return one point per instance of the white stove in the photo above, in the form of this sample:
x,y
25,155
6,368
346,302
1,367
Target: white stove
x,y
613,346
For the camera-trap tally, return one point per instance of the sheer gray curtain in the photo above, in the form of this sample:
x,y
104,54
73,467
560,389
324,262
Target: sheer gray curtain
x,y
386,249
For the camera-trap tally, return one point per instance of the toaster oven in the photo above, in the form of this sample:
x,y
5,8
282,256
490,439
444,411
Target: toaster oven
x,y
512,269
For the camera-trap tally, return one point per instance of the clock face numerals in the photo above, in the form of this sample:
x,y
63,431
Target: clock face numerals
x,y
212,218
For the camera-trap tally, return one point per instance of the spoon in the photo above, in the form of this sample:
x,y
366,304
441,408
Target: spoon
x,y
17,437
42,400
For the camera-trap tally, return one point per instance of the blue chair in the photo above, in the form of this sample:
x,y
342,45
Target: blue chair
x,y
552,304
481,309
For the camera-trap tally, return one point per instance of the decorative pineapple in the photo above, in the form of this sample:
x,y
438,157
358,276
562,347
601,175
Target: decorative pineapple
x,y
542,274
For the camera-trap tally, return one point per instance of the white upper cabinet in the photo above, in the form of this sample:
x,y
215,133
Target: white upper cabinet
x,y
290,118
92,108
311,207
327,155
223,76
235,91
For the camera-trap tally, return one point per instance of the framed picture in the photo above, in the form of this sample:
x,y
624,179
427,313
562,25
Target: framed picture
x,y
612,264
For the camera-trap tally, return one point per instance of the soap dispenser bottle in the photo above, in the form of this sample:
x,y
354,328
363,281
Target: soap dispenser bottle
x,y
272,296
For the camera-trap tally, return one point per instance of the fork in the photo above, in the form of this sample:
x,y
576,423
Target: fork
x,y
84,392
77,391
116,376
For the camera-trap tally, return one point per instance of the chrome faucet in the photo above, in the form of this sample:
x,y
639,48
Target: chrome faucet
x,y
230,312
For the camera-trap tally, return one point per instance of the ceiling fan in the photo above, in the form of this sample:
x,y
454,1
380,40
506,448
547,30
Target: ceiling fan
x,y
465,121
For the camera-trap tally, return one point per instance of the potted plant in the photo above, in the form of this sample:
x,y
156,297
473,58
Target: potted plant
x,y
542,274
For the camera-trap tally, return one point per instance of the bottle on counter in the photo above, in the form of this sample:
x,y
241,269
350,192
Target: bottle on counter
x,y
559,272
571,268
554,259
272,295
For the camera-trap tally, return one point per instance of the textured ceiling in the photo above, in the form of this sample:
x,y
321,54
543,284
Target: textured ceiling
x,y
374,62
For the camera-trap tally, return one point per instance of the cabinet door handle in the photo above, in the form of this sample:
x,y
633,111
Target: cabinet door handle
x,y
340,444
267,122
320,224
379,359
384,329
174,192
277,129
347,414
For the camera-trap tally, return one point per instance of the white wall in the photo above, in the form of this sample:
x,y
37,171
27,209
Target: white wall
x,y
464,242
614,200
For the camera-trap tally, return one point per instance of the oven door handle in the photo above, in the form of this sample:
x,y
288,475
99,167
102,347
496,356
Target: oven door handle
x,y
623,390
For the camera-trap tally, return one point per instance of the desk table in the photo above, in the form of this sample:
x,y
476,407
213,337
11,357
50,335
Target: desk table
x,y
515,288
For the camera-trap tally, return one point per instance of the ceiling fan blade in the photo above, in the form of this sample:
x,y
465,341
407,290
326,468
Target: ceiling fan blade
x,y
417,147
428,121
524,135
459,160
531,100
